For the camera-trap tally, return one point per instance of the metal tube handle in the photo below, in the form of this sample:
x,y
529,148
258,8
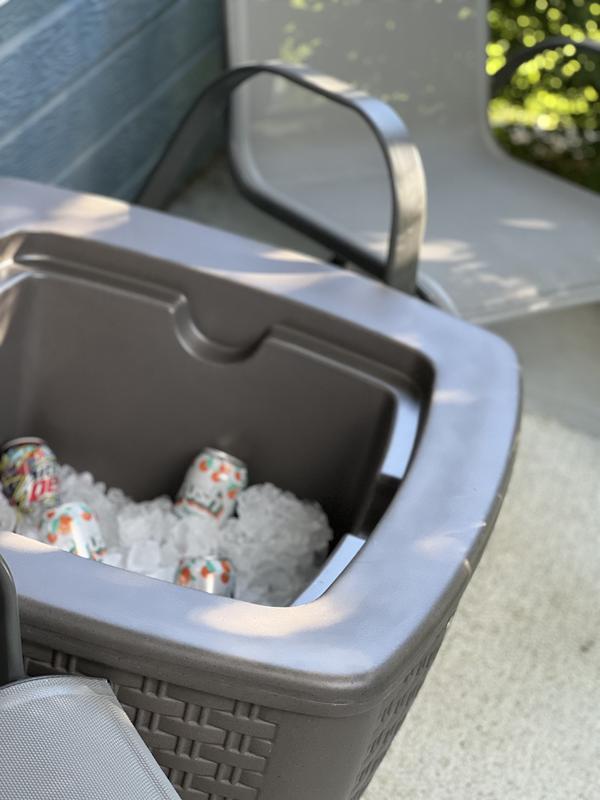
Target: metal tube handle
x,y
402,159
504,75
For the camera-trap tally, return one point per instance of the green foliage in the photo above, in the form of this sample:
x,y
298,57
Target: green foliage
x,y
549,113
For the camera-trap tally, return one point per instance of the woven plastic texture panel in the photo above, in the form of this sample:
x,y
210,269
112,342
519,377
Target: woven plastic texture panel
x,y
208,746
68,739
392,716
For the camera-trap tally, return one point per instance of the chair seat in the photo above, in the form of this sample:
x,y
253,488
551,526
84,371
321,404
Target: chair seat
x,y
504,238
67,738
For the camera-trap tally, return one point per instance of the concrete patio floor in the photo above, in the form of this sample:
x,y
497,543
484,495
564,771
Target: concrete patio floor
x,y
510,707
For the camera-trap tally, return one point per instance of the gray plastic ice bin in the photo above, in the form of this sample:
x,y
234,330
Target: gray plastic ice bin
x,y
129,339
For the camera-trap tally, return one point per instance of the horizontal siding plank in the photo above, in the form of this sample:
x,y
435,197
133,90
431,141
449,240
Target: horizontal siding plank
x,y
74,124
124,154
18,15
67,46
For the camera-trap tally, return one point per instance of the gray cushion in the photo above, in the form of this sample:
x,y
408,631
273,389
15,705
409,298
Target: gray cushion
x,y
67,738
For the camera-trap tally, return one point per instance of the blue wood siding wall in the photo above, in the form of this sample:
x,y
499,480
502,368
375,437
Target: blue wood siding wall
x,y
92,89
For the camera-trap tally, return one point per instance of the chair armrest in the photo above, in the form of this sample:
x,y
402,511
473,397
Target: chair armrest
x,y
401,156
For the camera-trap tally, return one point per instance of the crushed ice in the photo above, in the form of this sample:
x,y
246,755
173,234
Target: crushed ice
x,y
8,517
276,542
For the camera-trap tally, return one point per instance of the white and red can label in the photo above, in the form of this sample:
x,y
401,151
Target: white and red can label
x,y
73,527
29,474
209,574
212,485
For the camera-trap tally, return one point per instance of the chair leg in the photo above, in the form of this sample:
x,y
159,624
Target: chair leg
x,y
11,654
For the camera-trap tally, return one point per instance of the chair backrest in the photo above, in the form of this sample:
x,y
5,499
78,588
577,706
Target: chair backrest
x,y
424,57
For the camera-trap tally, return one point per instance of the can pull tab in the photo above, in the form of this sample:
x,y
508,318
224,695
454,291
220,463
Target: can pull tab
x,y
11,654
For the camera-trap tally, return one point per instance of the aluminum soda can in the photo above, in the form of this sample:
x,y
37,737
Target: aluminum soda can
x,y
208,574
212,485
73,527
29,474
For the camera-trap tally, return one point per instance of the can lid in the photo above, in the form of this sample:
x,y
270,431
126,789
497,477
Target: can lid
x,y
214,451
20,442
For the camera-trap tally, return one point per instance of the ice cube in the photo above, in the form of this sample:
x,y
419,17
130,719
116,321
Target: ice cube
x,y
86,478
132,529
270,585
169,553
144,557
273,544
164,574
117,498
196,535
8,515
113,557
29,526
163,503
